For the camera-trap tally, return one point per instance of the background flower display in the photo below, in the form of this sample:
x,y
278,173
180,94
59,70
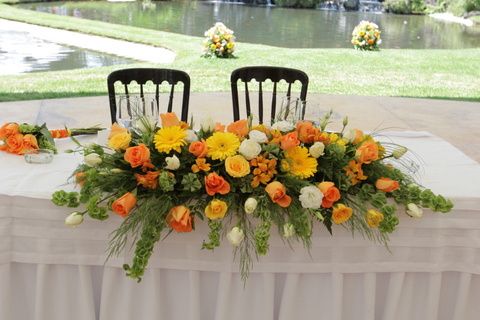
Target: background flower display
x,y
219,42
244,181
366,36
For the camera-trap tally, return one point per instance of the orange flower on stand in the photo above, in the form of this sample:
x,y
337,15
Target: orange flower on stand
x,y
169,119
201,165
354,171
198,149
148,180
239,128
330,193
307,133
367,152
263,170
180,219
15,143
289,141
29,143
386,184
216,184
137,156
123,205
278,194
9,129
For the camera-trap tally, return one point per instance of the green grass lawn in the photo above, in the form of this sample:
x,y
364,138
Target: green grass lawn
x,y
446,74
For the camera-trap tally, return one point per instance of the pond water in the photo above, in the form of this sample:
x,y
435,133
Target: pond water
x,y
20,52
294,28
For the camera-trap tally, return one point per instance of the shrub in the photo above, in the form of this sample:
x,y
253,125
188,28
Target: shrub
x,y
405,6
297,3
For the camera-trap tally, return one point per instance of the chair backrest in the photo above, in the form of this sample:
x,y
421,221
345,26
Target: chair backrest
x,y
260,74
141,76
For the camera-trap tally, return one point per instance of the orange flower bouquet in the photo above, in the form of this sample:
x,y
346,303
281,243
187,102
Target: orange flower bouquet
x,y
244,181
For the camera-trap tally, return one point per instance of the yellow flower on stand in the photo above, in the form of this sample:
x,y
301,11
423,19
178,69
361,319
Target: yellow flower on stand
x,y
170,138
216,209
237,166
341,213
300,163
373,218
222,145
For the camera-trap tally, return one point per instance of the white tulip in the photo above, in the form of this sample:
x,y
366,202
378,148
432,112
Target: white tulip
x,y
414,211
317,149
235,236
250,205
92,159
208,125
249,149
258,136
191,136
311,197
283,126
74,219
288,230
173,163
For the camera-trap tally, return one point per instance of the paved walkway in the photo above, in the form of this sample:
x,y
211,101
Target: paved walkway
x,y
454,121
121,48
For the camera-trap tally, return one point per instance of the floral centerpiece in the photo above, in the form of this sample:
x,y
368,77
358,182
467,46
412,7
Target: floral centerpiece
x,y
23,138
243,180
366,36
219,42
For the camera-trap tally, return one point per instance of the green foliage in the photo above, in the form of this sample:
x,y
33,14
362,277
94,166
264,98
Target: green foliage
x,y
405,6
297,3
261,236
63,198
213,235
191,183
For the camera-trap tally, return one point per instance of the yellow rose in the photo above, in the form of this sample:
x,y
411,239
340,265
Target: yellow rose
x,y
237,166
120,141
374,218
216,209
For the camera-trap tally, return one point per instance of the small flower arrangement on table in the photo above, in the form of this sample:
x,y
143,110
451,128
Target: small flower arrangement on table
x,y
23,138
244,181
219,42
366,36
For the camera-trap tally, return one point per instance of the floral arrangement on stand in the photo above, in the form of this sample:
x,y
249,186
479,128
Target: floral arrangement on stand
x,y
366,36
219,42
23,138
244,181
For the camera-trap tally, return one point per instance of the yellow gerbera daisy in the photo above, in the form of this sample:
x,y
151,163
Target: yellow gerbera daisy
x,y
222,145
300,163
170,138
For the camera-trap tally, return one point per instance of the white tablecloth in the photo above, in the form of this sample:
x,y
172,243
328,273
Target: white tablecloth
x,y
49,272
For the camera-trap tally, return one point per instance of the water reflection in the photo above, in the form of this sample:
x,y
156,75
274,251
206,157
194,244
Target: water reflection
x,y
20,53
269,25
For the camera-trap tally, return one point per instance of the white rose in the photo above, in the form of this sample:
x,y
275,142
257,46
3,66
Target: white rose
x,y
249,149
191,136
208,125
283,126
173,163
250,205
235,236
74,219
288,230
258,136
414,211
349,135
311,197
92,159
317,149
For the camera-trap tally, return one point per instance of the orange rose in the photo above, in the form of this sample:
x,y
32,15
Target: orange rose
x,y
179,219
278,194
386,184
123,205
289,141
330,193
29,143
148,180
15,143
116,129
216,184
239,128
9,129
341,213
169,119
198,149
219,127
137,156
367,152
307,133
358,136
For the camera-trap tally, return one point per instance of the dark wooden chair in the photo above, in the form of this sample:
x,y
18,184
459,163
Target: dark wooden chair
x,y
261,74
141,76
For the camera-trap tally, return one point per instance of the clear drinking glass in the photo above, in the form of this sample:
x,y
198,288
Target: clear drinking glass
x,y
127,110
291,110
